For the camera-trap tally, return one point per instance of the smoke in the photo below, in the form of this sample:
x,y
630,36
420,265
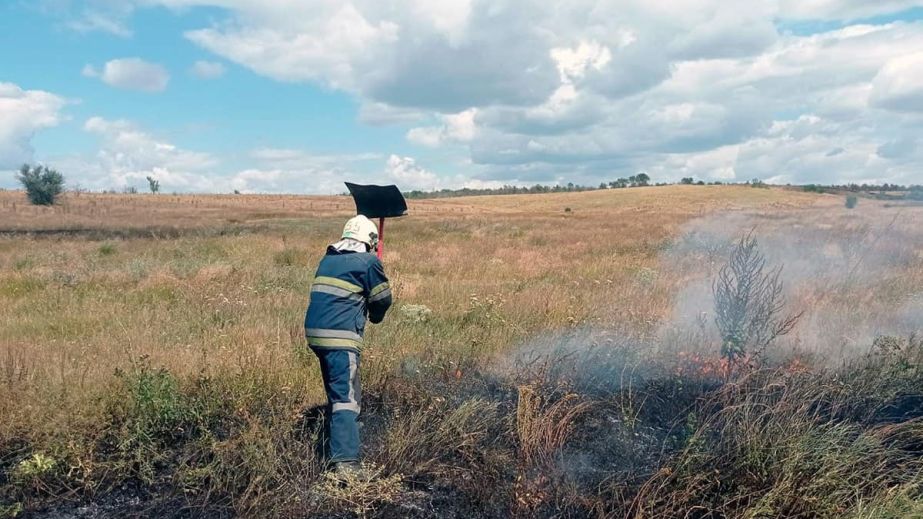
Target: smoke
x,y
588,360
853,274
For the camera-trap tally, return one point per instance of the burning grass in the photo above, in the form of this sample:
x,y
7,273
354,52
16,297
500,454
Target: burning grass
x,y
530,369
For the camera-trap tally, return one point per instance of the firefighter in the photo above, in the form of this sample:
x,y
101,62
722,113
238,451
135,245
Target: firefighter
x,y
349,286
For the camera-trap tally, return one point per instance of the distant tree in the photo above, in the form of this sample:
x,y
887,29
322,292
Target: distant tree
x,y
130,190
153,184
757,183
603,185
642,179
700,183
620,183
42,184
687,181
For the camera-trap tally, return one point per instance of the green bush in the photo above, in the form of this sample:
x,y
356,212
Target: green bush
x,y
107,249
152,413
42,184
852,201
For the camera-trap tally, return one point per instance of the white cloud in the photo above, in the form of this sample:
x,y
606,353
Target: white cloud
x,y
22,114
899,84
131,74
379,114
207,69
308,42
585,90
573,63
455,128
317,180
127,155
411,54
91,21
282,170
405,172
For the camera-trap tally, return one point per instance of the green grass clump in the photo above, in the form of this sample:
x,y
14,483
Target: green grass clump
x,y
107,249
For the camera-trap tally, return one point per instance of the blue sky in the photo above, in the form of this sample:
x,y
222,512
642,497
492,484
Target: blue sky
x,y
297,96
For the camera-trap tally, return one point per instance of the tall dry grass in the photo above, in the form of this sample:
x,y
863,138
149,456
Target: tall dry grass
x,y
165,373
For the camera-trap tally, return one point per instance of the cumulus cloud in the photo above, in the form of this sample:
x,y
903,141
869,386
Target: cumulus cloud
x,y
583,90
284,170
409,175
899,84
207,69
131,74
127,155
22,114
455,128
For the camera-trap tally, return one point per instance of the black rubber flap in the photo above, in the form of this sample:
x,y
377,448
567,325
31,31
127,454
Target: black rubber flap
x,y
378,201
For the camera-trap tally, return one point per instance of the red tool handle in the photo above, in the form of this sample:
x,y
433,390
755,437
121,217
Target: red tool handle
x,y
381,236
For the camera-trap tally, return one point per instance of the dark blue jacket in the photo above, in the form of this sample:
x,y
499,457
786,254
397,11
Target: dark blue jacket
x,y
347,288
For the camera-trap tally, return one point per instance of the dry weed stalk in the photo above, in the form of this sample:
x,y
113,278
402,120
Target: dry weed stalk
x,y
543,429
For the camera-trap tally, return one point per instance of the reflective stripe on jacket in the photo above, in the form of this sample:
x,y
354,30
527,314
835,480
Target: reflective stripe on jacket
x,y
347,288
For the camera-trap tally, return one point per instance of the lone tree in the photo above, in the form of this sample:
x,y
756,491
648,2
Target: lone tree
x,y
749,303
42,184
153,184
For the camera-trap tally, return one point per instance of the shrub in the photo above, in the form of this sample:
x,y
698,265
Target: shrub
x,y
151,414
35,466
851,201
42,184
749,302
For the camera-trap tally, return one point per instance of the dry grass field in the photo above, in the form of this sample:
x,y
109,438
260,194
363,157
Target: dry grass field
x,y
548,356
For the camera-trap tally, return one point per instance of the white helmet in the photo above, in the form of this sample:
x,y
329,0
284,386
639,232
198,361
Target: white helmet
x,y
363,230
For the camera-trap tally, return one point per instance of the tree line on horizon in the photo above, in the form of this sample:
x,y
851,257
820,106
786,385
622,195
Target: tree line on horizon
x,y
43,185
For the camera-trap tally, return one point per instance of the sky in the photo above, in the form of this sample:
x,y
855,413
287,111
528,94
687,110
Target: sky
x,y
297,96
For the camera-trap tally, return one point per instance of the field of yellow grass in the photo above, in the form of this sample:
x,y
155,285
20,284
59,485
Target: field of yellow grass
x,y
152,357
